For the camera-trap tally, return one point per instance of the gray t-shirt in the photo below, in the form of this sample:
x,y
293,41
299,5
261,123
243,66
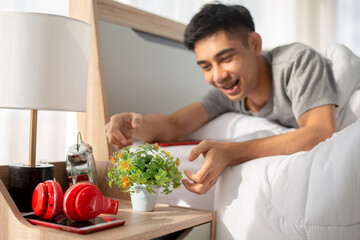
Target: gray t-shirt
x,y
302,80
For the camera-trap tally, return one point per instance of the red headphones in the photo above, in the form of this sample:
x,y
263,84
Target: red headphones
x,y
81,202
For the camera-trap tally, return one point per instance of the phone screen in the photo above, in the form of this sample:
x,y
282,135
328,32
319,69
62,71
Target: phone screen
x,y
64,223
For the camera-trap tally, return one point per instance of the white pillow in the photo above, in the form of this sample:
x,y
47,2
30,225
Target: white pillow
x,y
238,127
346,69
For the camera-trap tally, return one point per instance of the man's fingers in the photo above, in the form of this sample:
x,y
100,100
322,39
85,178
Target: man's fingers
x,y
189,186
120,129
192,187
196,177
197,188
116,138
136,120
202,148
191,176
118,146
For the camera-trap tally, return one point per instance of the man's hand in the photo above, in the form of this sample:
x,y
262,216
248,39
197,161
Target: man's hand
x,y
120,129
216,159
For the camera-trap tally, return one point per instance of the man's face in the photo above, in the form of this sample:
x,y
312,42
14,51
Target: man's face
x,y
227,64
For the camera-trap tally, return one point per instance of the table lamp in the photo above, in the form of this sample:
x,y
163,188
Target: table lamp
x,y
43,66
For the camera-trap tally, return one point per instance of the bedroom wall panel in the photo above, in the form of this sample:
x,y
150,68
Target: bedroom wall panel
x,y
146,76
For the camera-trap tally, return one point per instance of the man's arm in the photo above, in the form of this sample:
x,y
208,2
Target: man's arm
x,y
158,127
155,127
315,126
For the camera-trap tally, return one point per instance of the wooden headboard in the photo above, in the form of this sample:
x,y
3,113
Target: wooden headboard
x,y
129,72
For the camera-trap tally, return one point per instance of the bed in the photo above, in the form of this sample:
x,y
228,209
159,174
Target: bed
x,y
306,195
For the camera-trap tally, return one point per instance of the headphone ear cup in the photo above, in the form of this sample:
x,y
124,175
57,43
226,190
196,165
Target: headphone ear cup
x,y
39,199
89,202
69,201
59,197
47,199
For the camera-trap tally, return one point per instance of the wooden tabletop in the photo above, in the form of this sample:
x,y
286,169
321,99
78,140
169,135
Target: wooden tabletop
x,y
163,220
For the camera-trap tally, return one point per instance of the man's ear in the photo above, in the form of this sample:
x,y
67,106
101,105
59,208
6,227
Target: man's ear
x,y
255,42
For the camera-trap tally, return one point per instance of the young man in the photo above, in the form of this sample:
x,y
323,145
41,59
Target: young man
x,y
292,85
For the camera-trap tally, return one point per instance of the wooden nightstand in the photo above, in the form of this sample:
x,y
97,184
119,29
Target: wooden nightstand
x,y
166,222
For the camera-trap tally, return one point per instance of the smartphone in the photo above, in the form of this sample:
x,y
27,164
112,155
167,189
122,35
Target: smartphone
x,y
63,223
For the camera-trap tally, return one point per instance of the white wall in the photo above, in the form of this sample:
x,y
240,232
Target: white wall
x,y
317,23
348,23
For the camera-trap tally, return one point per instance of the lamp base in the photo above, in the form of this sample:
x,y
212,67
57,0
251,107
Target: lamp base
x,y
23,179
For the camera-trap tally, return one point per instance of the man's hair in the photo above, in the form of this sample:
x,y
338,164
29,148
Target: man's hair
x,y
233,19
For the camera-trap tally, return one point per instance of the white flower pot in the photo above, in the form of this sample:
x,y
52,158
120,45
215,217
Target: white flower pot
x,y
142,200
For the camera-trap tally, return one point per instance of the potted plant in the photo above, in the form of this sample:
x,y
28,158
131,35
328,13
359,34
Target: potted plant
x,y
142,172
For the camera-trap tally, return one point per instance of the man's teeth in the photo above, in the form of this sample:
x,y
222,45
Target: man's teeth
x,y
227,88
231,87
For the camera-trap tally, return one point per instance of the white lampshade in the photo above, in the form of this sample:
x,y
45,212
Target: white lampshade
x,y
43,61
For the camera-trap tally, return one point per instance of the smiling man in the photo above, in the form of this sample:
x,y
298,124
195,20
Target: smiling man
x,y
292,85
